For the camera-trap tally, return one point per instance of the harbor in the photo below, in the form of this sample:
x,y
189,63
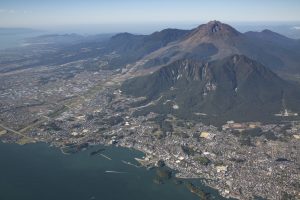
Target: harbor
x,y
81,176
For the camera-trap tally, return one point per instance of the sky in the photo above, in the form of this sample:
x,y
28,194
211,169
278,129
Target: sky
x,y
50,13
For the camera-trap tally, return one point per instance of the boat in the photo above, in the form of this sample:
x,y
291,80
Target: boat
x,y
115,172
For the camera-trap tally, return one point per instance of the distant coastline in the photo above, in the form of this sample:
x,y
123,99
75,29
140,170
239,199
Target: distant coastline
x,y
15,37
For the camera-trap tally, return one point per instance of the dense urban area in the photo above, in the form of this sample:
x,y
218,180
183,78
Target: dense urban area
x,y
72,106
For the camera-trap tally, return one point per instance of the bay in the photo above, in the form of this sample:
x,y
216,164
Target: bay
x,y
40,172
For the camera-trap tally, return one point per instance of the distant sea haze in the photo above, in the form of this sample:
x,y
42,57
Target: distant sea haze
x,y
15,37
11,41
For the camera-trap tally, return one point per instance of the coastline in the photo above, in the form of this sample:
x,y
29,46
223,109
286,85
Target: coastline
x,y
81,171
148,164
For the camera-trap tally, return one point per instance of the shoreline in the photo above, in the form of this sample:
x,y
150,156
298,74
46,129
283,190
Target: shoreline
x,y
151,164
176,173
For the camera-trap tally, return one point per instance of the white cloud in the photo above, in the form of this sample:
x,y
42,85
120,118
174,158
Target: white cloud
x,y
296,27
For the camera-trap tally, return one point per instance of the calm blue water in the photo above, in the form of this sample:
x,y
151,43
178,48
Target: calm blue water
x,y
37,172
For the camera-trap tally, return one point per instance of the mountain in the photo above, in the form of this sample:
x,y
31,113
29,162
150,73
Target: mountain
x,y
271,37
211,41
131,48
216,40
146,43
232,88
118,50
284,49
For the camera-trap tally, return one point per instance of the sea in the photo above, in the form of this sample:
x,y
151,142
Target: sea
x,y
16,37
40,172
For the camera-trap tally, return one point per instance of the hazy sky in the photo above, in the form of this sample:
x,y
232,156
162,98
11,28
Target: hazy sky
x,y
43,13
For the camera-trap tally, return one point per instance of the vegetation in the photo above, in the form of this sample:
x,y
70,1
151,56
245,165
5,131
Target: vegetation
x,y
164,173
196,190
203,160
188,150
231,88
52,126
270,135
165,126
254,132
111,121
